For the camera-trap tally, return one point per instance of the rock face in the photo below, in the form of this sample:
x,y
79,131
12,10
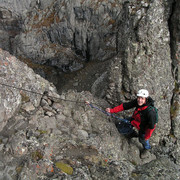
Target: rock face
x,y
45,135
93,29
15,73
145,59
19,7
10,26
57,136
88,27
175,54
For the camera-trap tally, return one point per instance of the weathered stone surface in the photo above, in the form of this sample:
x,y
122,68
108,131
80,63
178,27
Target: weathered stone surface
x,y
162,168
74,134
145,60
39,130
175,113
17,6
10,26
15,73
88,27
175,39
175,54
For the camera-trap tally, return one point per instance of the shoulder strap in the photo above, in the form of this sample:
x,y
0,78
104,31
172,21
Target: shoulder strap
x,y
153,108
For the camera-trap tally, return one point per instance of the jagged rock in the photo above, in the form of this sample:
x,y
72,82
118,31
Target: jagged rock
x,y
162,168
17,6
99,86
82,134
44,102
10,26
175,42
28,107
67,24
49,109
176,153
61,127
62,136
48,113
1,147
15,73
57,107
175,113
141,65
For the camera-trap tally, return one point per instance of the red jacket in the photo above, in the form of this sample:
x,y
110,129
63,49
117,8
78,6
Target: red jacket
x,y
141,119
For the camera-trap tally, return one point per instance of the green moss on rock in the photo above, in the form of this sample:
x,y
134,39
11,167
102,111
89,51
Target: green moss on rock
x,y
64,167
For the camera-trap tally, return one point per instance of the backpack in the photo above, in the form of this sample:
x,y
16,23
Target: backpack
x,y
152,108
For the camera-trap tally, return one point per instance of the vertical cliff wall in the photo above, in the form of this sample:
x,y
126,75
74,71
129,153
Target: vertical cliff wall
x,y
145,59
175,54
174,24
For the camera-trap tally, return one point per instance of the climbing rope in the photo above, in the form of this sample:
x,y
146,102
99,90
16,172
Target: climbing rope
x,y
109,114
124,126
82,102
22,89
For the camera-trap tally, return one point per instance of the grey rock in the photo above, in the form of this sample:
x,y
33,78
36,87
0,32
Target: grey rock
x,y
175,114
99,86
28,107
157,168
46,123
1,147
2,166
57,106
60,117
15,73
82,134
48,113
44,102
174,32
49,109
17,6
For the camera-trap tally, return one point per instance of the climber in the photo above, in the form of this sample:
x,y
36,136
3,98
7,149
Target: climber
x,y
143,120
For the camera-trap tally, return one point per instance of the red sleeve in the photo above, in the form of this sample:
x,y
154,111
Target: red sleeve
x,y
117,109
148,133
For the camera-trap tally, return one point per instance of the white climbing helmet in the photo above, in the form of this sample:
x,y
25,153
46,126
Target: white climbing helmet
x,y
143,93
